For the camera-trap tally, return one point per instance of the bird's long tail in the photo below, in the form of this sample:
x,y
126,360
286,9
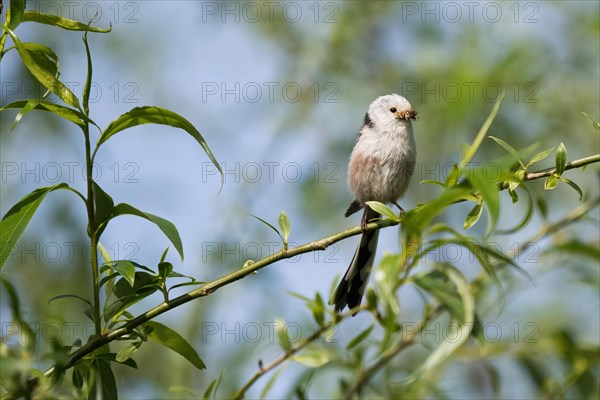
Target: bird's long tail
x,y
352,286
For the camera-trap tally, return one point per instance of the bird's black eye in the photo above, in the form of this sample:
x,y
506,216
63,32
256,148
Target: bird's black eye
x,y
393,109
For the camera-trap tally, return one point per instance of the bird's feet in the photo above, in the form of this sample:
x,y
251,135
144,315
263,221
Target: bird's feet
x,y
402,212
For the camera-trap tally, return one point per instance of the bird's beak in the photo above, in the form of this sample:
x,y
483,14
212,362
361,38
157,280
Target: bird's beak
x,y
407,114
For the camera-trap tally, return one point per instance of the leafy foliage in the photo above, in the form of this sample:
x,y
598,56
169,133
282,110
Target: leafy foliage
x,y
452,298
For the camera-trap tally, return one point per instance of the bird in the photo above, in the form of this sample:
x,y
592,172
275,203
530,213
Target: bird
x,y
380,168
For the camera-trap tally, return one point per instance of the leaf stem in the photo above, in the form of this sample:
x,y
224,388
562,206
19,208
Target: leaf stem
x,y
92,231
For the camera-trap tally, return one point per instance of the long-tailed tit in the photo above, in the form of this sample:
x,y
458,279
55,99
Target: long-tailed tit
x,y
381,165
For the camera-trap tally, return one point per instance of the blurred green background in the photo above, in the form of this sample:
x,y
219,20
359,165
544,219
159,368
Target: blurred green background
x,y
279,90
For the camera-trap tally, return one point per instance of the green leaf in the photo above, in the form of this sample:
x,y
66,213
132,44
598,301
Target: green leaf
x,y
66,296
312,359
505,146
481,134
453,176
65,112
551,182
433,182
381,209
284,340
88,80
144,285
126,269
64,23
165,226
561,159
284,225
103,207
77,377
473,216
14,14
270,383
46,58
491,196
16,219
541,155
417,219
168,337
437,284
126,352
359,338
28,335
269,225
107,379
573,185
45,77
594,123
525,219
155,115
464,325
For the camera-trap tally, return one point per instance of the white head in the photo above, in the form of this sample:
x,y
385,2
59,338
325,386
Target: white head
x,y
389,109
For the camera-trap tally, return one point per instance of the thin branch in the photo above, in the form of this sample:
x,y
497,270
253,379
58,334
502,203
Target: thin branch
x,y
530,176
210,287
406,341
286,356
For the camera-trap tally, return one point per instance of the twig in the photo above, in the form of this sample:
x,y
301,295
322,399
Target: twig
x,y
286,356
210,287
406,341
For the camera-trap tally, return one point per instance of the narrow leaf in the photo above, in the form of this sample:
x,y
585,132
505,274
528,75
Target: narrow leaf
x,y
284,340
88,79
45,77
66,296
64,23
473,216
433,182
359,338
269,225
126,352
270,383
103,206
561,159
165,226
64,112
505,146
284,225
168,337
126,269
312,359
573,185
156,115
481,134
541,155
453,176
551,182
491,196
16,219
463,327
594,123
15,12
381,209
107,378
